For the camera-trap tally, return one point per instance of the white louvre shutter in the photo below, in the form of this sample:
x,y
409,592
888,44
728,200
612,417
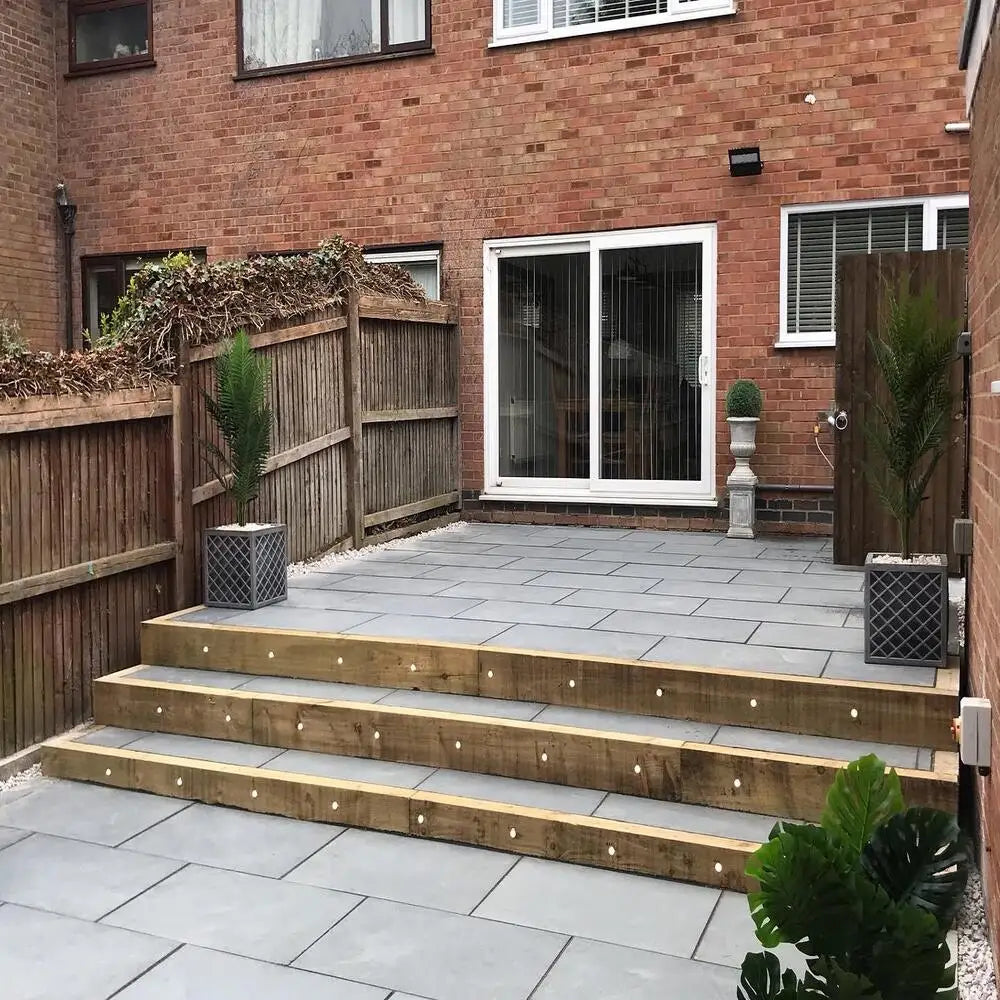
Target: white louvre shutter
x,y
522,14
817,239
953,229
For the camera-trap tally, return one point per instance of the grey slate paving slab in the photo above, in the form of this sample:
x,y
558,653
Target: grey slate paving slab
x,y
388,585
488,561
502,592
328,765
588,581
229,911
436,543
93,813
209,615
682,816
765,659
640,557
621,722
801,581
434,954
406,869
231,838
441,629
730,935
722,560
852,667
630,543
592,970
727,591
629,645
320,690
514,791
666,917
465,574
306,619
195,973
567,531
111,736
597,567
407,567
856,572
8,836
311,580
45,956
847,640
762,611
855,618
813,746
568,551
528,613
612,600
433,701
684,626
825,598
74,878
187,675
407,604
702,574
219,751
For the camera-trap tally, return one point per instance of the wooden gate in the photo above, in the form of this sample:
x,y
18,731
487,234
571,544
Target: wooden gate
x,y
860,524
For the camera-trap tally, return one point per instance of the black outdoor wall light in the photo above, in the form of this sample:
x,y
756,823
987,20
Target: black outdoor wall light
x,y
745,162
67,216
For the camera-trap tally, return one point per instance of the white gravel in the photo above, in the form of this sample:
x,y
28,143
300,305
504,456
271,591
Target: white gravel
x,y
925,559
22,778
976,979
332,559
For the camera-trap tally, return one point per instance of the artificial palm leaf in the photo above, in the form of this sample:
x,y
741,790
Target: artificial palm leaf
x,y
910,959
244,418
864,795
761,978
827,980
919,857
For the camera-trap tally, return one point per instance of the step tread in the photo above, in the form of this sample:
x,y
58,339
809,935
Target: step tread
x,y
830,748
483,788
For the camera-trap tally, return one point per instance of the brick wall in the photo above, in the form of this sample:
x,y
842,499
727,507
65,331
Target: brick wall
x,y
607,131
29,231
984,323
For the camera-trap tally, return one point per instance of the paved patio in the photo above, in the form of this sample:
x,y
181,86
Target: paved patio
x,y
108,893
777,605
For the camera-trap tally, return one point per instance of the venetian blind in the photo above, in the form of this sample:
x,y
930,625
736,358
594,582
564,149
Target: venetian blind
x,y
953,229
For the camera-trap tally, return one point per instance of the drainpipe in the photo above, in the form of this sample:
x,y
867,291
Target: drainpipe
x,y
67,216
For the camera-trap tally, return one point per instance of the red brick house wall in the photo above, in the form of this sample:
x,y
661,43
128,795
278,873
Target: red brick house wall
x,y
609,131
984,325
29,229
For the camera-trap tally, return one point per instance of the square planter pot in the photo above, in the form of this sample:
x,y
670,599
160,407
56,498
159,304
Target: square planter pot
x,y
906,612
245,567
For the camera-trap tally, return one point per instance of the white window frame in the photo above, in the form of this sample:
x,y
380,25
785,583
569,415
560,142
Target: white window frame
x,y
403,257
932,205
677,11
596,490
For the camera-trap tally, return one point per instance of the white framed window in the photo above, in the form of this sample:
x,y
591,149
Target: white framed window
x,y
599,362
424,266
814,236
517,21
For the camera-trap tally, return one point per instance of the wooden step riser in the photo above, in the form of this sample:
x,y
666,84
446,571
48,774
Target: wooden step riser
x,y
603,843
894,714
669,770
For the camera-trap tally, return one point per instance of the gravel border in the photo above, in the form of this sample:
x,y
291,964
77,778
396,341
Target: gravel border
x,y
21,779
976,977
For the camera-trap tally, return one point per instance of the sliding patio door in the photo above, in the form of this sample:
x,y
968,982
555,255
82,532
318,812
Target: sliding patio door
x,y
600,367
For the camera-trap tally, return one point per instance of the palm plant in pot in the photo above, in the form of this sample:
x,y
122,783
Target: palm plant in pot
x,y
743,405
245,564
868,896
906,593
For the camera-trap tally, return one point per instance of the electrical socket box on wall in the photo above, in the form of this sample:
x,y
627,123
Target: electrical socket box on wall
x,y
974,735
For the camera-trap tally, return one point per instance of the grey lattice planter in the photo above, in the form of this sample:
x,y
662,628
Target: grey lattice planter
x,y
906,612
245,567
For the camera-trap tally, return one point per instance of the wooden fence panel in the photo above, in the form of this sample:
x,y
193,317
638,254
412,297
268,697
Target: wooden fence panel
x,y
861,525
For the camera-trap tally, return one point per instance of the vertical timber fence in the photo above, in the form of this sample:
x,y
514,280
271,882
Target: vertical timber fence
x,y
103,498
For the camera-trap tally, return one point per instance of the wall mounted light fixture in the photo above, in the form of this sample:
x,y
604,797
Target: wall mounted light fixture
x,y
745,161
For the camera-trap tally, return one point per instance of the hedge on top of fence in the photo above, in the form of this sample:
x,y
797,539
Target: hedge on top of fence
x,y
180,299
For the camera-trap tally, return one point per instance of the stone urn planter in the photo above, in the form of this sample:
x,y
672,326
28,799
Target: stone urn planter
x,y
245,566
743,406
906,610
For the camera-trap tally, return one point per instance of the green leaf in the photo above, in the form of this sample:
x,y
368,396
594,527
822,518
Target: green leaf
x,y
761,978
910,960
864,795
828,980
919,858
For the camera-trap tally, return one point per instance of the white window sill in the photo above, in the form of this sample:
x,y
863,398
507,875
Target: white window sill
x,y
625,24
630,500
807,340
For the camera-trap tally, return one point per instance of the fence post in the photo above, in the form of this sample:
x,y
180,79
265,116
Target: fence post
x,y
356,485
182,449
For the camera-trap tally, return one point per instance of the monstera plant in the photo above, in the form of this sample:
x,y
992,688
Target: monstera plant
x,y
868,896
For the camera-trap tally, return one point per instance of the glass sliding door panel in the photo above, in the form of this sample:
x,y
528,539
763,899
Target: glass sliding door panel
x,y
543,367
651,341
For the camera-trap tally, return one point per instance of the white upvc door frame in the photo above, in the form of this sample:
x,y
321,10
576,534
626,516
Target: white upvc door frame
x,y
594,489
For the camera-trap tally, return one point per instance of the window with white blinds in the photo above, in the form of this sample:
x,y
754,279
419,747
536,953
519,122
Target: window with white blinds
x,y
529,19
815,237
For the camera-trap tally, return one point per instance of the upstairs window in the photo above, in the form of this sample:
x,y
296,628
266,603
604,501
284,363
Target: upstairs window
x,y
423,266
282,34
109,34
530,20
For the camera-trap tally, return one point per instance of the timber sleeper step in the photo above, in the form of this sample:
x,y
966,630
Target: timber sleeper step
x,y
599,840
588,756
896,714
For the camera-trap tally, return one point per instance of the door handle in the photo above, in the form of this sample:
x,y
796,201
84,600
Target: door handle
x,y
703,361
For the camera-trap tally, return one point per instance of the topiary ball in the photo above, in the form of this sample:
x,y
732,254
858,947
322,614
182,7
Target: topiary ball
x,y
744,399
